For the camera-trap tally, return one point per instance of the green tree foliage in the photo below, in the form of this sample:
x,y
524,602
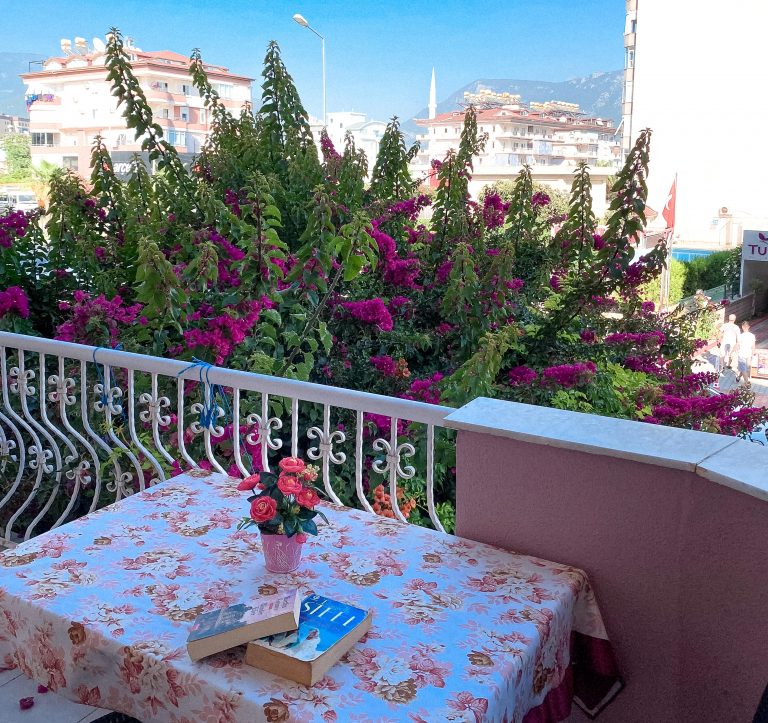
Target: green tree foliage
x,y
17,156
559,201
391,179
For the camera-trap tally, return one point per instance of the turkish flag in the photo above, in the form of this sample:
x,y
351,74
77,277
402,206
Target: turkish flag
x,y
669,208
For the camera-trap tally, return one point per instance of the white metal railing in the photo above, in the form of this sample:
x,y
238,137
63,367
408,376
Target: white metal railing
x,y
81,427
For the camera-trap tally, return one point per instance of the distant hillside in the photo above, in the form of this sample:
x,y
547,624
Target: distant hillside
x,y
11,87
598,94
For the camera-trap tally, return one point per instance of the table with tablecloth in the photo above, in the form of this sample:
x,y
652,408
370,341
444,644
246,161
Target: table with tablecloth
x,y
99,610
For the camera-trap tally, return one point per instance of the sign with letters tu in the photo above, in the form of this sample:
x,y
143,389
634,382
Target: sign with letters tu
x,y
755,246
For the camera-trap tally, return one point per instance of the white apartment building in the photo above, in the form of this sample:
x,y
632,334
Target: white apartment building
x,y
366,133
698,80
12,124
70,102
549,137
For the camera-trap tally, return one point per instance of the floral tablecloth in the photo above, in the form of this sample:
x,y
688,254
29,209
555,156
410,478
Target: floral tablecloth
x,y
100,609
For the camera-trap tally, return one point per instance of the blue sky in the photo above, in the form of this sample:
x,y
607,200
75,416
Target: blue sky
x,y
379,54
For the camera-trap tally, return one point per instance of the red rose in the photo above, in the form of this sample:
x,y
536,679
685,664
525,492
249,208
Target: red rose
x,y
307,497
263,509
291,465
289,485
249,483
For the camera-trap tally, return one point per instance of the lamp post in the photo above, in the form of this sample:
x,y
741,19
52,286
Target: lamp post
x,y
301,20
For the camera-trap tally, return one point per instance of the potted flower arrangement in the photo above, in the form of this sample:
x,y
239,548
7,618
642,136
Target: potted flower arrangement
x,y
283,508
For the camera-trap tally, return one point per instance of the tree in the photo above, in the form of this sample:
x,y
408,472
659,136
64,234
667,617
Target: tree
x,y
18,156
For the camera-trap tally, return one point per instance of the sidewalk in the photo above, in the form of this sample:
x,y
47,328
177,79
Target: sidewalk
x,y
708,363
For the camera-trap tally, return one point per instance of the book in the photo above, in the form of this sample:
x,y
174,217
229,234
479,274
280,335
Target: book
x,y
327,629
228,627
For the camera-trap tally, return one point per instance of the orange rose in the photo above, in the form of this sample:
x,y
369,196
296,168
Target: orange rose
x,y
307,497
291,465
263,509
249,483
289,485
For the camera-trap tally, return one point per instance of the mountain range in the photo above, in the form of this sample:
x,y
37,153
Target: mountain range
x,y
597,94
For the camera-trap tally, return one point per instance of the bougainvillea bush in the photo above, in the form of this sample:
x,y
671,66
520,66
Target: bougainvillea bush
x,y
265,256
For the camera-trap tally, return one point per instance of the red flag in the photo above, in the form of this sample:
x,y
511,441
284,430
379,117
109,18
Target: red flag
x,y
669,208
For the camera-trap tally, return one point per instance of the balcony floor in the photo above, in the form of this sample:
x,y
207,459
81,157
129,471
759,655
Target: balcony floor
x,y
48,706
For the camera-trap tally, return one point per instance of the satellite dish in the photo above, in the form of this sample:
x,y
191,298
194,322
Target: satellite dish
x,y
66,46
81,45
724,210
99,45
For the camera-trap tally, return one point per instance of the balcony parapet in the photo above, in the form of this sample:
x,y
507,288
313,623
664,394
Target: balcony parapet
x,y
730,461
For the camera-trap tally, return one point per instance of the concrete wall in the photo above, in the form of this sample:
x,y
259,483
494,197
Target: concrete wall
x,y
678,560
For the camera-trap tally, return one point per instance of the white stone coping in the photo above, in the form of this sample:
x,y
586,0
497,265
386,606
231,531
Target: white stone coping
x,y
729,461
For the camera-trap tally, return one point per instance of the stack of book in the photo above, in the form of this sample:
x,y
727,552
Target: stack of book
x,y
294,638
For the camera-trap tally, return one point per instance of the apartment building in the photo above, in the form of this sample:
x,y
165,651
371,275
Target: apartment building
x,y
699,77
366,133
552,138
70,102
11,124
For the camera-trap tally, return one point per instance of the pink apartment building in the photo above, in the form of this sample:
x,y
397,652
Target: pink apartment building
x,y
70,102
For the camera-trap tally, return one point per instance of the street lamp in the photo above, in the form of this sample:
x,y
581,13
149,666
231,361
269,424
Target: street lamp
x,y
301,20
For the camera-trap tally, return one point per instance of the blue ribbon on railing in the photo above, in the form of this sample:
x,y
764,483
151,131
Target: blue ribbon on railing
x,y
209,405
104,391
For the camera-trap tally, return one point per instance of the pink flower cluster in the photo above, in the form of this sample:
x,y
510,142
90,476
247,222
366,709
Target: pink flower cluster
x,y
569,375
13,299
222,333
12,226
370,311
521,376
651,338
90,317
411,206
384,364
425,390
494,210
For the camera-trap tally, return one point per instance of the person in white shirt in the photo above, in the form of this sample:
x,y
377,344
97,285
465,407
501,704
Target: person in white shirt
x,y
746,348
729,337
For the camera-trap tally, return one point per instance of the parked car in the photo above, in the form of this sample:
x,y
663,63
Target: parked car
x,y
18,200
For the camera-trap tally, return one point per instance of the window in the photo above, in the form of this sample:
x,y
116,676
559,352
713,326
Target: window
x,y
223,89
202,116
630,62
163,113
43,139
184,113
160,85
530,129
177,138
187,89
633,26
120,140
69,162
94,111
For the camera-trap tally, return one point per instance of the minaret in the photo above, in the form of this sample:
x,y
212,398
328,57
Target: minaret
x,y
432,96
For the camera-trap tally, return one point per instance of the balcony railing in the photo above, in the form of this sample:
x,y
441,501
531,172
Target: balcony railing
x,y
81,427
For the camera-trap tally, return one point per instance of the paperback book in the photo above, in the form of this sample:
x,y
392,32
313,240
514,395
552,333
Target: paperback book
x,y
235,625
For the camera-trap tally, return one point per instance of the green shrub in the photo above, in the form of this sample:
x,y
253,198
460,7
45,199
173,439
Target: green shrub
x,y
677,279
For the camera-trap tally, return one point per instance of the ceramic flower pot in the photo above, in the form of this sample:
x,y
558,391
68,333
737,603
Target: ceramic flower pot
x,y
281,553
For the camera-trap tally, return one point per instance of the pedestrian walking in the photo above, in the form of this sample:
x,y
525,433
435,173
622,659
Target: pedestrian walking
x,y
746,349
729,337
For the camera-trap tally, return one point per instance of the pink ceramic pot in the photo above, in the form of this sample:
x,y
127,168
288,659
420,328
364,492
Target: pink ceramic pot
x,y
281,553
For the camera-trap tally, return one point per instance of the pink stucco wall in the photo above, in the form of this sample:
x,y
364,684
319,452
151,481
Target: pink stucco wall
x,y
679,565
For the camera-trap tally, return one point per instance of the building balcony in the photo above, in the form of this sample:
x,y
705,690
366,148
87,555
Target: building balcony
x,y
670,524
